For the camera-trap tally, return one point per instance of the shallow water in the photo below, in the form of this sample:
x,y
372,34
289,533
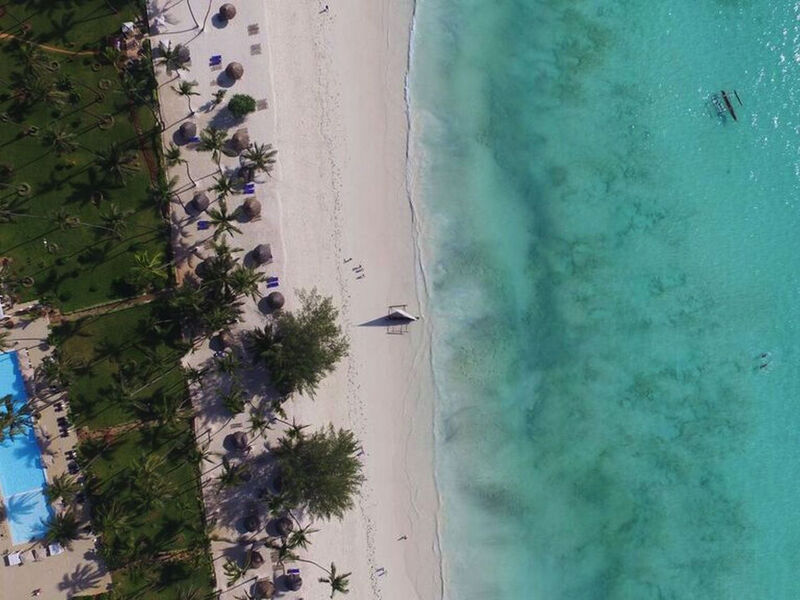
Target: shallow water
x,y
607,261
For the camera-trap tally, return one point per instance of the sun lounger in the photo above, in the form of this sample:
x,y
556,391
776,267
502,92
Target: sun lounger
x,y
202,225
13,559
293,571
273,284
272,279
54,549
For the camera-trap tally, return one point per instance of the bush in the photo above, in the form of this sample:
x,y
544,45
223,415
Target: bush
x,y
241,104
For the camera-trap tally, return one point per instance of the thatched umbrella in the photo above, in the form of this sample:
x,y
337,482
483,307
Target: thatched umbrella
x,y
275,300
262,254
284,526
256,560
294,582
240,140
188,130
263,588
239,440
252,523
252,208
226,339
183,54
227,11
234,70
200,201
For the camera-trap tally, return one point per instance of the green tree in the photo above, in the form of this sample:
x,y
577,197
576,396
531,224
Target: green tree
x,y
232,475
223,187
62,487
150,487
217,97
173,157
14,420
234,571
320,471
59,140
62,528
115,221
300,349
233,399
148,271
339,582
241,105
213,140
163,191
63,220
261,156
186,89
117,161
222,220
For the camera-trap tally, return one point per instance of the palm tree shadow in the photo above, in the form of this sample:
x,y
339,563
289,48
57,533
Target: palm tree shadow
x,y
82,578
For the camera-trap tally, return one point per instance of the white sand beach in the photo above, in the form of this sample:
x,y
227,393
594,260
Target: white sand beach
x,y
334,84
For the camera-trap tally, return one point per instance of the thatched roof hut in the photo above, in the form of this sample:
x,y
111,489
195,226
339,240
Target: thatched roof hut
x,y
188,130
275,300
294,582
240,140
227,11
234,70
256,560
200,201
183,53
227,339
239,440
262,254
284,526
252,523
252,208
263,589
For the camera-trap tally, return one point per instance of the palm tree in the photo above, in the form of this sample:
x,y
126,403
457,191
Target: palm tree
x,y
60,140
13,420
233,398
62,487
258,422
218,97
150,487
228,363
64,220
223,186
112,518
222,220
234,571
261,156
163,191
244,281
115,221
339,582
149,270
232,475
190,593
186,89
62,528
117,161
173,157
300,537
213,140
169,58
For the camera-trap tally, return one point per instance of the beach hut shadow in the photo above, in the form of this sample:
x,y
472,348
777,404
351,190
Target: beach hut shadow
x,y
218,22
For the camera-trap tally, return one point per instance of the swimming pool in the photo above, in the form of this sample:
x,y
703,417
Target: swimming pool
x,y
22,478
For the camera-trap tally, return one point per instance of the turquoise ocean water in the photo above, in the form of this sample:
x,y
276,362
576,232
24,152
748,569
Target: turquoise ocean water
x,y
607,260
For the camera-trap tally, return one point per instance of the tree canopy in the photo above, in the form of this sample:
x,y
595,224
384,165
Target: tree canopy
x,y
241,105
320,471
300,348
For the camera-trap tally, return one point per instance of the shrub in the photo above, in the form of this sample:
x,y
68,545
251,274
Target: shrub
x,y
241,104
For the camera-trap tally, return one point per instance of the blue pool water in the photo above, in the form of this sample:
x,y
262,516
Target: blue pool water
x,y
22,478
607,261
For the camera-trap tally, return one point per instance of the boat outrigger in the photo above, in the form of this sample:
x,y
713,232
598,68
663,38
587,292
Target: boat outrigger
x,y
723,105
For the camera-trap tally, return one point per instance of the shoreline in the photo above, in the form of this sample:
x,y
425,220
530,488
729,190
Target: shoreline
x,y
340,135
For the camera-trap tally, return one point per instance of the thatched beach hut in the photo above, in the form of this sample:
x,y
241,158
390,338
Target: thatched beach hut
x,y
262,254
183,53
227,11
234,70
294,582
252,523
284,526
251,208
226,339
187,130
240,140
263,589
239,440
200,201
275,300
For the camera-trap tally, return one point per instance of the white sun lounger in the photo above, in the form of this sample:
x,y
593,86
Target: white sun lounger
x,y
54,549
13,559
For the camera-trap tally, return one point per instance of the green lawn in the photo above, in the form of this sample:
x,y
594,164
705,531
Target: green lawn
x,y
85,265
137,342
123,359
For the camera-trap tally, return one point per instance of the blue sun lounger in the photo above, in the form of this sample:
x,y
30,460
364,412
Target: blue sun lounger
x,y
202,225
272,284
272,279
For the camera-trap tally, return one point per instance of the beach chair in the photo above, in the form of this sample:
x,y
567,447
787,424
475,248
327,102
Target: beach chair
x,y
273,284
54,549
272,279
293,571
203,225
14,559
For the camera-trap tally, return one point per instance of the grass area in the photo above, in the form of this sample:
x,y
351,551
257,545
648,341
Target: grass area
x,y
145,478
123,360
75,264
